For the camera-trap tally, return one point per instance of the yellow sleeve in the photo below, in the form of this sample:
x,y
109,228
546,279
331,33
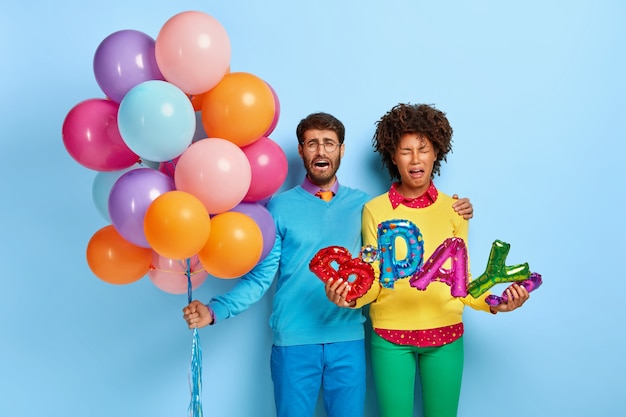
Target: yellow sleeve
x,y
369,233
477,303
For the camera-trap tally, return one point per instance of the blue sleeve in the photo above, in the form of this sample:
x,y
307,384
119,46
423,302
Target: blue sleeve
x,y
250,288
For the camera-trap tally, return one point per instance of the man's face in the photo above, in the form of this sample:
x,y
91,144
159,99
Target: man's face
x,y
321,153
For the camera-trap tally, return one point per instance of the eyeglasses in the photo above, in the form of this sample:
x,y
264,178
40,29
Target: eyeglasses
x,y
313,146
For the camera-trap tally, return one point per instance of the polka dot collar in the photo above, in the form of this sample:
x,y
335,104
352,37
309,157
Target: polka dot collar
x,y
425,200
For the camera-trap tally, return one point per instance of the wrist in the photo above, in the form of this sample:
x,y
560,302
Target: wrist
x,y
212,315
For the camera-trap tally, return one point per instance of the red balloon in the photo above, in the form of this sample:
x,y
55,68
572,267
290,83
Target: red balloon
x,y
363,273
321,264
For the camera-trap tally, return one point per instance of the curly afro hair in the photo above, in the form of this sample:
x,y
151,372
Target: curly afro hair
x,y
422,119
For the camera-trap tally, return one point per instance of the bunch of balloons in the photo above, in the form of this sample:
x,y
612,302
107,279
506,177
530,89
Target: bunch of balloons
x,y
183,156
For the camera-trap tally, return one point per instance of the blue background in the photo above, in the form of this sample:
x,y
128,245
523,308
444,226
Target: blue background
x,y
535,92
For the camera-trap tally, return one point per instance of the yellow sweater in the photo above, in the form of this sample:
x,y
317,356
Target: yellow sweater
x,y
404,307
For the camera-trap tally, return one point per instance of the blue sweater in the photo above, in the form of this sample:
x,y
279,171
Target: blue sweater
x,y
301,313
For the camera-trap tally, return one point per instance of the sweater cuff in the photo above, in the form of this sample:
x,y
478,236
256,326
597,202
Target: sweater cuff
x,y
212,313
218,311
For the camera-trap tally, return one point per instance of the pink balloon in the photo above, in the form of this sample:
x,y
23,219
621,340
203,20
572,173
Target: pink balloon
x,y
170,275
269,168
193,51
276,112
92,137
216,172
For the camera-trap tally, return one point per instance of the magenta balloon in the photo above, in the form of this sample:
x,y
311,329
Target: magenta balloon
x,y
123,60
169,167
268,164
276,112
264,220
129,199
92,137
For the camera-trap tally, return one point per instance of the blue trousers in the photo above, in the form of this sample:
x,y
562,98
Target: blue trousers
x,y
298,373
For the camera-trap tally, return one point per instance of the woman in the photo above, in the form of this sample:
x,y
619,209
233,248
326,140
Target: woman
x,y
415,329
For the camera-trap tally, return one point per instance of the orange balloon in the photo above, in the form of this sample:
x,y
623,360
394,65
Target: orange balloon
x,y
240,108
234,246
196,101
115,260
176,225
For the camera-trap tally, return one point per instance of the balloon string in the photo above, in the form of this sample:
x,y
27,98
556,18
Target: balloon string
x,y
195,370
188,273
187,267
171,271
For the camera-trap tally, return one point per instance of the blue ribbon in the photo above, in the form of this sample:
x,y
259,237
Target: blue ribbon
x,y
195,370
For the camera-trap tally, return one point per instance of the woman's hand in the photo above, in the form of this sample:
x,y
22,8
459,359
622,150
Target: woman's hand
x,y
516,294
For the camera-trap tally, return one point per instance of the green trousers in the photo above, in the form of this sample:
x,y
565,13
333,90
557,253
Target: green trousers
x,y
395,368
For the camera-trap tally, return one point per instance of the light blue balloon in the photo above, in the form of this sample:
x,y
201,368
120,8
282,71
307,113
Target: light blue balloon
x,y
101,189
156,120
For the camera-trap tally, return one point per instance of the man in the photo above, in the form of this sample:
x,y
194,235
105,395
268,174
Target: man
x,y
316,343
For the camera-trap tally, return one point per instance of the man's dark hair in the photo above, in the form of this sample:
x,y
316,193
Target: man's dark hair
x,y
320,121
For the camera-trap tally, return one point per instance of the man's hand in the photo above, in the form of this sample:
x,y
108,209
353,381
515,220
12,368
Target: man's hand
x,y
197,314
337,291
463,207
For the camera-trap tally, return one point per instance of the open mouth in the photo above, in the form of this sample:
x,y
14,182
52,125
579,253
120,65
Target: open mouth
x,y
321,164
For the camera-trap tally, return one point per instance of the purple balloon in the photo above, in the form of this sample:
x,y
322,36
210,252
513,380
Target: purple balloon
x,y
533,282
123,60
130,197
264,220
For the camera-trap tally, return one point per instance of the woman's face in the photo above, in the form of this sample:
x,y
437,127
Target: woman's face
x,y
415,158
